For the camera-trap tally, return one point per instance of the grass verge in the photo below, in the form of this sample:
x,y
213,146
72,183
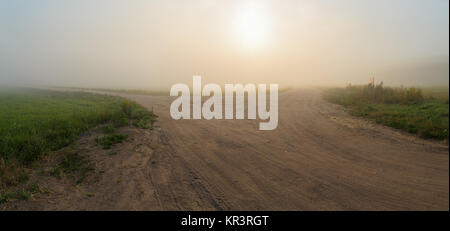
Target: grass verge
x,y
35,122
425,114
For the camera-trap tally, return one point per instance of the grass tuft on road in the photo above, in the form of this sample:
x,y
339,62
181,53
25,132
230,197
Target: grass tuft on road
x,y
110,139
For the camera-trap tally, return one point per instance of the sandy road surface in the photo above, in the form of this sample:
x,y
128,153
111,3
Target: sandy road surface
x,y
319,158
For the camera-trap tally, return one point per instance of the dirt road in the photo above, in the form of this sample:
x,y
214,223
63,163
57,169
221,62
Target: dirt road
x,y
319,158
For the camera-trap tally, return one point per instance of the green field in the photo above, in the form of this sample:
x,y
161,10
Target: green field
x,y
34,122
418,111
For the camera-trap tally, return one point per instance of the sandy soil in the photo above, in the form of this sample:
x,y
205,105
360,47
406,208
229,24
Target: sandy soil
x,y
319,158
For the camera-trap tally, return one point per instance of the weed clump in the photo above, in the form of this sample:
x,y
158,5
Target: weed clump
x,y
20,194
140,117
108,140
72,164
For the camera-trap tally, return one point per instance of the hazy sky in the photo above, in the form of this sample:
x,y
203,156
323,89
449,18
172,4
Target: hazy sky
x,y
154,44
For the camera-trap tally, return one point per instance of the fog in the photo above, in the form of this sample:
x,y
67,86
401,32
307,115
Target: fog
x,y
154,44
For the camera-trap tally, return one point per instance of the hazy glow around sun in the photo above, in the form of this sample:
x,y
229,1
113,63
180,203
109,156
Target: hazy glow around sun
x,y
252,26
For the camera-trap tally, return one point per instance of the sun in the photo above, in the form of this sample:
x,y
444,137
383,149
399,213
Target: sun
x,y
252,26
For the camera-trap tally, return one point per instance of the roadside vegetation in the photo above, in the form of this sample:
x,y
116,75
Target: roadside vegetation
x,y
424,112
34,123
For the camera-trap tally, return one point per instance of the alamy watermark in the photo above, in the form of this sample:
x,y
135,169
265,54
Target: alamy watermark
x,y
212,107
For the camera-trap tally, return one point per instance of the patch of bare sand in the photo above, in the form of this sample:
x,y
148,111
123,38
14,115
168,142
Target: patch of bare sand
x,y
118,179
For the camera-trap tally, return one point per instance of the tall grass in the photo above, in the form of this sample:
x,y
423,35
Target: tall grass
x,y
380,94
